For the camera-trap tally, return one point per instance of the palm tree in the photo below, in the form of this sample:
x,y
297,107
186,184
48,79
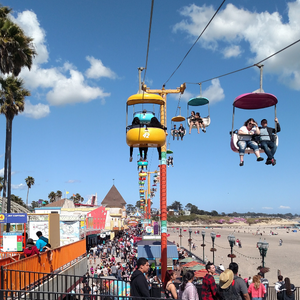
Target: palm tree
x,y
30,182
58,195
77,198
16,49
12,101
1,183
52,197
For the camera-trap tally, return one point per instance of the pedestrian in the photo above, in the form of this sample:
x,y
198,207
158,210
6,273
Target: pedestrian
x,y
288,290
41,242
169,287
187,290
86,290
278,285
256,289
265,282
31,249
209,287
226,290
239,283
138,285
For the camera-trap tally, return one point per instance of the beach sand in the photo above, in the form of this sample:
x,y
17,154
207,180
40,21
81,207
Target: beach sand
x,y
284,259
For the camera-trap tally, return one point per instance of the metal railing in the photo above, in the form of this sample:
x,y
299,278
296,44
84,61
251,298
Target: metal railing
x,y
38,295
42,282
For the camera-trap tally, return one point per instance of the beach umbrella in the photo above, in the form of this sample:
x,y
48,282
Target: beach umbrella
x,y
196,267
190,264
187,259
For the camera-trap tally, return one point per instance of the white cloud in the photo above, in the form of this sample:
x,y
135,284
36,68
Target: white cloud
x,y
36,111
62,85
232,51
28,21
21,186
98,70
74,90
73,181
214,93
284,207
264,32
2,172
266,207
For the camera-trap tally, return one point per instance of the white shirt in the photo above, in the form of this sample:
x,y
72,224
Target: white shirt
x,y
246,131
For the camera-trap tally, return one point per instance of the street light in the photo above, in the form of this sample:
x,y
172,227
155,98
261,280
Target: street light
x,y
263,248
180,235
203,245
231,239
190,239
213,236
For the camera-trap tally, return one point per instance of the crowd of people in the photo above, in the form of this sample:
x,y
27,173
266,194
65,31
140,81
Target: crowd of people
x,y
116,259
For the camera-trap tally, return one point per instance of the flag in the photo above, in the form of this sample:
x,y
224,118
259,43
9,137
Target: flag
x,y
67,193
73,195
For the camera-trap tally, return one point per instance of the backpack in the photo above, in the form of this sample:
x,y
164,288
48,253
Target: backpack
x,y
46,241
228,294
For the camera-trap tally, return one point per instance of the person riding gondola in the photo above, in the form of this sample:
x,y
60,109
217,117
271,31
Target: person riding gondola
x,y
246,133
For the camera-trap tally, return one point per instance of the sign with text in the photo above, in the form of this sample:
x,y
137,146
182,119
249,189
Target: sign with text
x,y
13,218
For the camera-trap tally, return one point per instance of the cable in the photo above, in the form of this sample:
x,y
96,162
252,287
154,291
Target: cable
x,y
195,41
149,34
254,65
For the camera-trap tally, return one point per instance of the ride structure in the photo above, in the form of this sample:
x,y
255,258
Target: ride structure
x,y
163,170
252,101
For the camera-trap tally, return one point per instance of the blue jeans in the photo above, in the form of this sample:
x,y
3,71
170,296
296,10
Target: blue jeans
x,y
256,298
244,144
269,148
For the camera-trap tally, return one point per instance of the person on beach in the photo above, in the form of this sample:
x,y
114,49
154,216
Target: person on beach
x,y
187,290
256,289
239,283
209,287
169,287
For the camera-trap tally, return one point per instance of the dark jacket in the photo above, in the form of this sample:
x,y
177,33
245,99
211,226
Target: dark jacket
x,y
138,285
271,131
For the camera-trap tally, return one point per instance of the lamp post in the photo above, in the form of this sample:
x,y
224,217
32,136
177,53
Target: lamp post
x,y
231,239
203,245
190,239
180,235
213,236
263,248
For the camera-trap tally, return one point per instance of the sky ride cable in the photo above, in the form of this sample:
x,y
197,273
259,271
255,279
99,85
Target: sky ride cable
x,y
149,34
245,68
195,41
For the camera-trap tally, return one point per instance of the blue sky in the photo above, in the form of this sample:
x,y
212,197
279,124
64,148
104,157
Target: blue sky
x,y
71,136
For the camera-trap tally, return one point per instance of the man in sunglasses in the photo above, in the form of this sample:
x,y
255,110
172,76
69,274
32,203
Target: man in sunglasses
x,y
268,140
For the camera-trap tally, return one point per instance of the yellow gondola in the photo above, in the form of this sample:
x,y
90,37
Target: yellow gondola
x,y
143,134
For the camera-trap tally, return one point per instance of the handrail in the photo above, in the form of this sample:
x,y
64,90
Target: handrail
x,y
46,262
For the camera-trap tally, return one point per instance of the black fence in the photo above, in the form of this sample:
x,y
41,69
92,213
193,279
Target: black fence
x,y
15,281
17,284
45,295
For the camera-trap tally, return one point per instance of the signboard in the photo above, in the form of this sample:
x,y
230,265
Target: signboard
x,y
35,226
69,232
12,241
13,218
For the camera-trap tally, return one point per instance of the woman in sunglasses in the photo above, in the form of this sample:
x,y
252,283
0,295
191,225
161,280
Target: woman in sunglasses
x,y
246,133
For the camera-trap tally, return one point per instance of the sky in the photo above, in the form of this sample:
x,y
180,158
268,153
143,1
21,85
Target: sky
x,y
71,136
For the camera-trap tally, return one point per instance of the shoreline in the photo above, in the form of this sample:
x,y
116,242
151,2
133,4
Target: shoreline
x,y
279,258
